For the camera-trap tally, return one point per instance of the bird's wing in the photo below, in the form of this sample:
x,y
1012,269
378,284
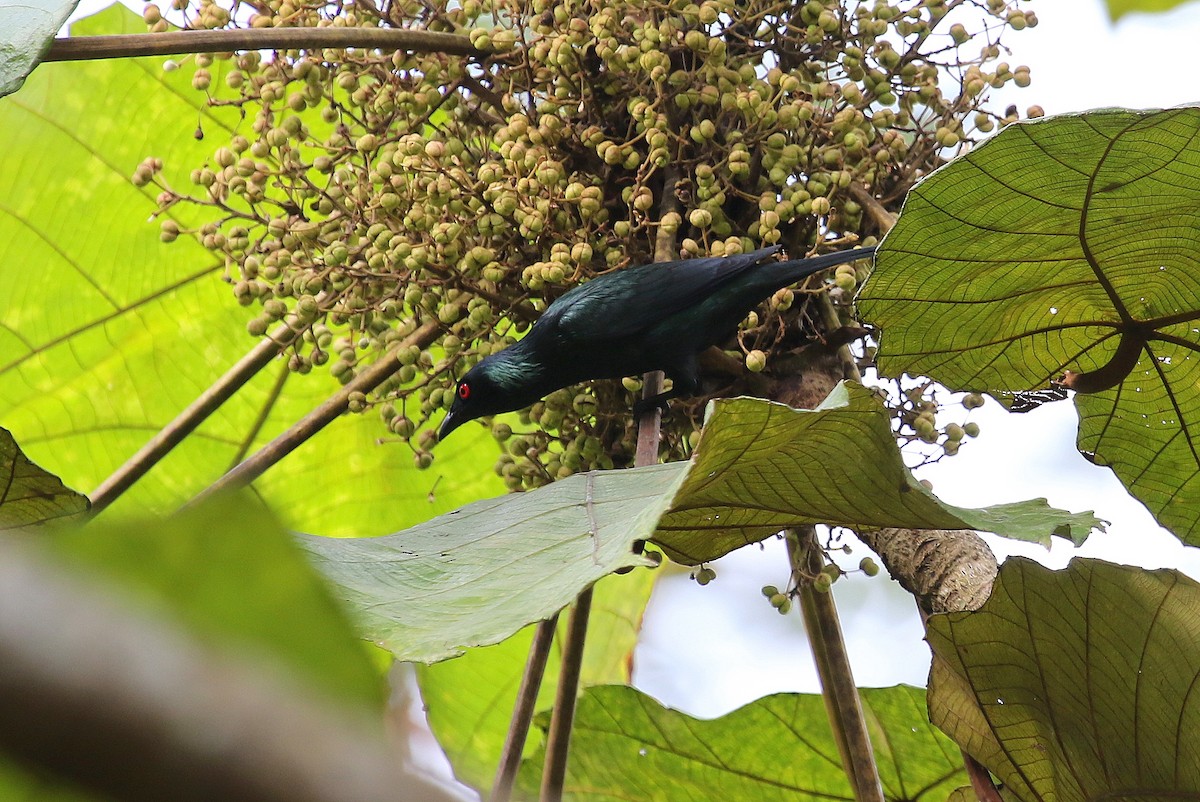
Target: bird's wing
x,y
622,303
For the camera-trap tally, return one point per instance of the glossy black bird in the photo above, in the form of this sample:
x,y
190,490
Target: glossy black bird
x,y
653,317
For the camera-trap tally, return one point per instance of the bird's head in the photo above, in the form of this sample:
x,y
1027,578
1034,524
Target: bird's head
x,y
478,393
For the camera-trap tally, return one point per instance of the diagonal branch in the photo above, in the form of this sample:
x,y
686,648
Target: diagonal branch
x,y
833,666
523,710
322,416
186,421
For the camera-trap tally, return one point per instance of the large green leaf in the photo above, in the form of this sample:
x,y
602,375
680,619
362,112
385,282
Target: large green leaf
x,y
475,576
29,496
1076,684
26,30
230,574
627,746
764,467
470,699
1071,243
430,591
107,333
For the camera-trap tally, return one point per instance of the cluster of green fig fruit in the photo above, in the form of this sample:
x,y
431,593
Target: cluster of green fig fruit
x,y
822,583
429,205
916,420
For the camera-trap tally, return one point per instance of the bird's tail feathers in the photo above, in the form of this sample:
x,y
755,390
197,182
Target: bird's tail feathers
x,y
802,268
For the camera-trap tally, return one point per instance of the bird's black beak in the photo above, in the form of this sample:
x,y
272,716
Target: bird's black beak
x,y
452,421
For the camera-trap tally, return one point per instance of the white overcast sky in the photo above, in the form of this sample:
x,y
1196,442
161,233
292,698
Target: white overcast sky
x,y
708,650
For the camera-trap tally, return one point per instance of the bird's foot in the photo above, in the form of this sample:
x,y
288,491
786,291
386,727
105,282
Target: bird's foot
x,y
644,405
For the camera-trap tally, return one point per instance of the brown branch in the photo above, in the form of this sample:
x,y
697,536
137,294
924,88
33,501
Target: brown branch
x,y
110,697
947,570
319,418
829,318
880,216
558,738
665,250
81,48
833,666
523,710
186,421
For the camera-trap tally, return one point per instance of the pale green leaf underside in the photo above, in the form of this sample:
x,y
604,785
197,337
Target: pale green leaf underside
x,y
1033,254
29,496
1076,684
26,30
475,576
625,745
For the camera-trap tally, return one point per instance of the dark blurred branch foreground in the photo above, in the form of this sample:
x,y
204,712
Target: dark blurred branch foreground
x,y
104,695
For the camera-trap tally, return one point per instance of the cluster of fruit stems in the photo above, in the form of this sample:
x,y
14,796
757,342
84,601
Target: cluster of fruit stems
x,y
446,365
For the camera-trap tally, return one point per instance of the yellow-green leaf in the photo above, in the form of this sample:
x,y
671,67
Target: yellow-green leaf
x,y
626,745
1076,684
1119,8
29,496
108,333
1066,244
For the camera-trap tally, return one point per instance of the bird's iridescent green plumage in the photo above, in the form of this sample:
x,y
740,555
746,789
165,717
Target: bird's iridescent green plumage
x,y
653,317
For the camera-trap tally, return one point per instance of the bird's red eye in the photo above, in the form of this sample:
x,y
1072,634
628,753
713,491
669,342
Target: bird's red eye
x,y
464,391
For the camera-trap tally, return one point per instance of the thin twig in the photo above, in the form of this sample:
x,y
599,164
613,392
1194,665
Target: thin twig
x,y
129,45
186,422
833,667
523,710
558,738
260,420
319,418
665,250
649,424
